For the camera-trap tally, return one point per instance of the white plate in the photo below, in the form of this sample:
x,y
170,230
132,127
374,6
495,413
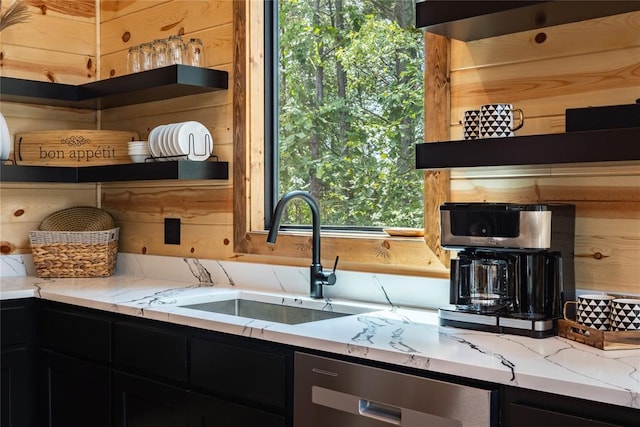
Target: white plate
x,y
153,140
162,140
195,141
5,139
172,140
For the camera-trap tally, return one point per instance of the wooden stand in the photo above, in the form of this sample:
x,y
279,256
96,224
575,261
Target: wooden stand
x,y
604,340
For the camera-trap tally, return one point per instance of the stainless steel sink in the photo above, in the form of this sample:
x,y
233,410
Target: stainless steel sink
x,y
273,312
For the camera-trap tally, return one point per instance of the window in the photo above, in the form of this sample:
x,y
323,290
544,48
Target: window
x,y
345,111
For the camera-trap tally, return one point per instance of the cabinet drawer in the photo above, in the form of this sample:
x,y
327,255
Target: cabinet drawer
x,y
150,351
238,372
528,416
17,321
76,333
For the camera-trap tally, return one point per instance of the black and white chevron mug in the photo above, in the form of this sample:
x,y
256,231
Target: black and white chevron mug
x,y
497,120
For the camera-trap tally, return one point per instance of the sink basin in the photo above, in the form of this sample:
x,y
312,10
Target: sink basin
x,y
280,310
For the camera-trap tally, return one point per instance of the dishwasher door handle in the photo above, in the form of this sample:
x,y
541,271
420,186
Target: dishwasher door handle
x,y
356,405
381,412
390,414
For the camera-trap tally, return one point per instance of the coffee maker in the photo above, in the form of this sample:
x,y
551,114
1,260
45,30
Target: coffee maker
x,y
514,268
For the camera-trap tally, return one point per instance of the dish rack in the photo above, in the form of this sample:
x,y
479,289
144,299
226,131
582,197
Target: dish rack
x,y
208,149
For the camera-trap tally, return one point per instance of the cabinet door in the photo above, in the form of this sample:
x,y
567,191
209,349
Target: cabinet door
x,y
73,392
240,373
527,416
139,402
17,389
207,411
528,408
17,377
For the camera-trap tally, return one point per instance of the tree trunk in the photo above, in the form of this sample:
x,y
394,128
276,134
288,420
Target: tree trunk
x,y
404,15
341,76
314,183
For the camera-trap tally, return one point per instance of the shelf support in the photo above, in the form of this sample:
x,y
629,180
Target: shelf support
x,y
437,117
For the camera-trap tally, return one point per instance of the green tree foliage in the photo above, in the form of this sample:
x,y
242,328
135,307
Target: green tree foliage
x,y
351,110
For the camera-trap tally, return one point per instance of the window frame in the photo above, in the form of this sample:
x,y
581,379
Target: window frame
x,y
358,251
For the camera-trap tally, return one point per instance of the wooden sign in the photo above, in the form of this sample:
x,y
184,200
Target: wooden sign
x,y
80,147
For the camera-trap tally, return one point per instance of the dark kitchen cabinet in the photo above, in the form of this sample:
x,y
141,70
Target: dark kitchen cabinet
x,y
17,360
206,411
151,351
169,375
74,377
73,392
242,373
140,402
527,408
105,369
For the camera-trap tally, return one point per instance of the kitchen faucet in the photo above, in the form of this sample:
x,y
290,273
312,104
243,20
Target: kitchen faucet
x,y
318,277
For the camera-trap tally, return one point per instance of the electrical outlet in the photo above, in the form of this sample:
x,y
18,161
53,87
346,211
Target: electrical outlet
x,y
172,231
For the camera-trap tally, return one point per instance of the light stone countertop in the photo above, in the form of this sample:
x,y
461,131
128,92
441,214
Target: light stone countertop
x,y
399,336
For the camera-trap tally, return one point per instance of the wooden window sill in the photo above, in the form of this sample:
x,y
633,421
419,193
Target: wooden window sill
x,y
370,252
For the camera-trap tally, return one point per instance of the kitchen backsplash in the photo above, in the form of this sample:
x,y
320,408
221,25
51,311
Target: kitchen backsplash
x,y
398,290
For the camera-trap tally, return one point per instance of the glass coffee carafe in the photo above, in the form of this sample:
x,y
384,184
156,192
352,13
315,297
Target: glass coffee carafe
x,y
483,281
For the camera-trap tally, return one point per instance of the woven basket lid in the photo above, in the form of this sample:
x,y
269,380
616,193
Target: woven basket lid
x,y
81,218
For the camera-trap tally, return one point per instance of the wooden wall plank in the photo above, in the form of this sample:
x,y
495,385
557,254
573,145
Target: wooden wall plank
x,y
45,65
607,263
113,9
163,20
603,34
54,33
218,48
437,108
76,10
242,101
551,81
193,205
57,43
197,241
23,206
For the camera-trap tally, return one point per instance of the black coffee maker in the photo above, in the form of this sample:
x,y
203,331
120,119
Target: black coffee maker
x,y
514,268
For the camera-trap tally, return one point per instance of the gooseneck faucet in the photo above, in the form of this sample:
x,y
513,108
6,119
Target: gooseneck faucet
x,y
318,277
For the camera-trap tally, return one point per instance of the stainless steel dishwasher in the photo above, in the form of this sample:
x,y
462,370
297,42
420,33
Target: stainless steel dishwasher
x,y
334,393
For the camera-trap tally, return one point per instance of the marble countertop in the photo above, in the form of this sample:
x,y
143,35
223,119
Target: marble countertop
x,y
394,335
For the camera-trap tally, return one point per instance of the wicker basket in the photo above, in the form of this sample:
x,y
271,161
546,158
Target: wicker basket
x,y
75,242
79,218
74,253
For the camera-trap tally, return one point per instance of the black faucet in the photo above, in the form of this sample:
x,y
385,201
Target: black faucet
x,y
318,276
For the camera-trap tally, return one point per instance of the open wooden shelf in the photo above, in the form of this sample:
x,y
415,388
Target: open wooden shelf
x,y
478,19
571,147
152,85
177,170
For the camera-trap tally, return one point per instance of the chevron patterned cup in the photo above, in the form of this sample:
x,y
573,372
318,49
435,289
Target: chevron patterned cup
x,y
471,124
497,120
594,311
625,314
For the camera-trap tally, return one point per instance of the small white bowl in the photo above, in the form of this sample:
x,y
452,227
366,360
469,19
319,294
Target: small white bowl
x,y
139,158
